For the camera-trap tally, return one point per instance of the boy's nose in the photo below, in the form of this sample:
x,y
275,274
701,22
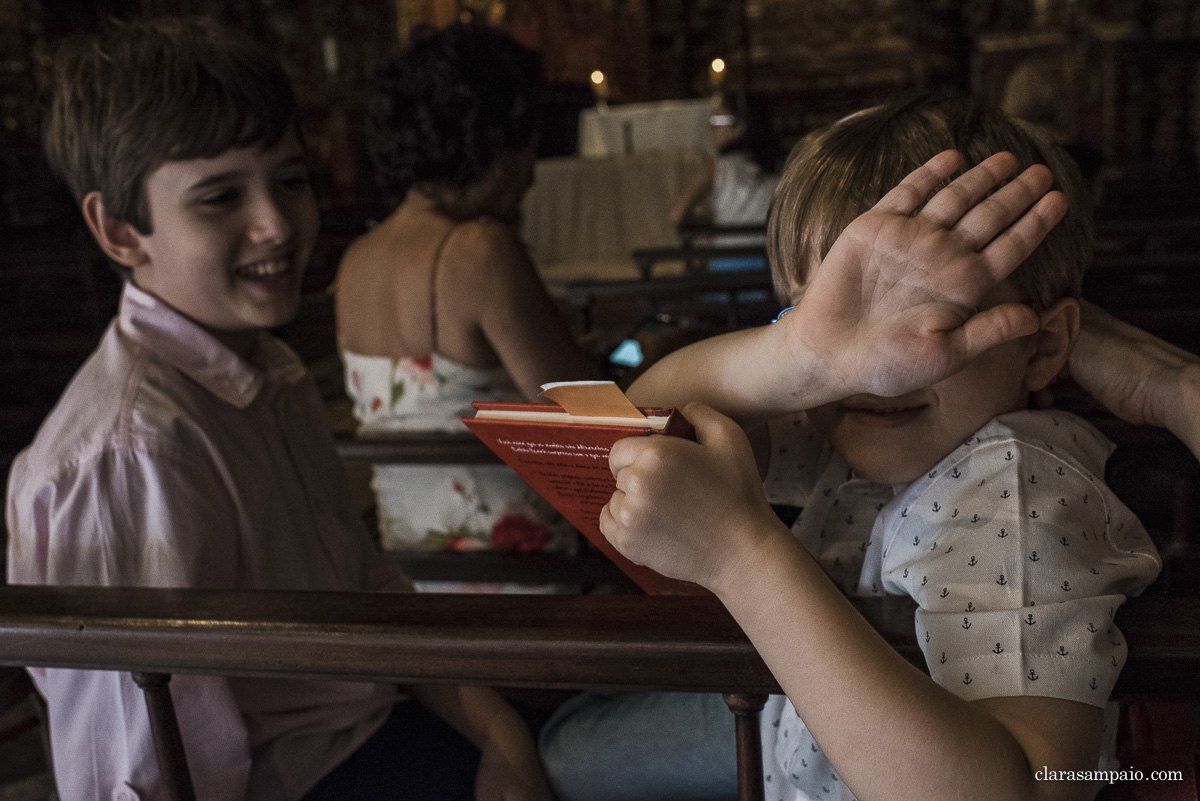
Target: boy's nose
x,y
271,222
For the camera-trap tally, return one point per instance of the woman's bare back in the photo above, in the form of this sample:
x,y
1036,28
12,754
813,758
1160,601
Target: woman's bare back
x,y
400,280
420,283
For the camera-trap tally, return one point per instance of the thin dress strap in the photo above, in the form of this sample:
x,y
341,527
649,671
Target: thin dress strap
x,y
437,257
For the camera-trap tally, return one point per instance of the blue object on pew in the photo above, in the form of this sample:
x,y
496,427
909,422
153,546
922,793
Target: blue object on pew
x,y
628,354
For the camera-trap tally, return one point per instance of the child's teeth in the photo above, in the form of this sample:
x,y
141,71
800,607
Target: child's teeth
x,y
264,269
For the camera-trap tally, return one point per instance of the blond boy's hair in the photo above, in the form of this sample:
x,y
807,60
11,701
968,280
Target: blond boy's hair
x,y
837,173
135,95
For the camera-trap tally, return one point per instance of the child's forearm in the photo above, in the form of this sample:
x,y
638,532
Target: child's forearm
x,y
509,768
478,713
697,511
859,697
750,375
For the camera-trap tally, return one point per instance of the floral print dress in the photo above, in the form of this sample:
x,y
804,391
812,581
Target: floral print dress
x,y
453,507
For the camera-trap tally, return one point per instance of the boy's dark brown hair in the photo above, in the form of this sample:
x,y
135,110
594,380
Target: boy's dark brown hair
x,y
135,95
837,173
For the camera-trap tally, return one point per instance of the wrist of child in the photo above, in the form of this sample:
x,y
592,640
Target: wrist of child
x,y
761,544
804,379
503,730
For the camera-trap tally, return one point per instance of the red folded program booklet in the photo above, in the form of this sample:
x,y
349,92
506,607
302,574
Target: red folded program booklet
x,y
562,452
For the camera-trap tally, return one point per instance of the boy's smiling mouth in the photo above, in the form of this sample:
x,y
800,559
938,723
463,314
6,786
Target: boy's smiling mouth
x,y
263,270
883,416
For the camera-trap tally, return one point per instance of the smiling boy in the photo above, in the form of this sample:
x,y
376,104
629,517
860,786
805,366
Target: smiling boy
x,y
911,475
192,448
241,230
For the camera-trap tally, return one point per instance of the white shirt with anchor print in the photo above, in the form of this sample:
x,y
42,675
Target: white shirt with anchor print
x,y
1015,551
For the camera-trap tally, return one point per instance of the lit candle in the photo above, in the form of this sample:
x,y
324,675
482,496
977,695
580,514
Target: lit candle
x,y
600,85
716,73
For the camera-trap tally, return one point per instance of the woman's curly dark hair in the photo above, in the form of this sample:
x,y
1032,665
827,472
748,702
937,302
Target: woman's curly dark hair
x,y
442,110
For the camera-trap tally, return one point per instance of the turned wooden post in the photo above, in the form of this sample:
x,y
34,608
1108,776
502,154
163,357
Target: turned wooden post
x,y
164,728
745,708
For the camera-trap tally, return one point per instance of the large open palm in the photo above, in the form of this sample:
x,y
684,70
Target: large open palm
x,y
892,307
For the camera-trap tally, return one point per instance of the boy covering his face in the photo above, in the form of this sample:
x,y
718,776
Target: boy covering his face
x,y
916,470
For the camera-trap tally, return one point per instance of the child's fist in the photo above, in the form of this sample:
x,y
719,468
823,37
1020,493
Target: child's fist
x,y
689,510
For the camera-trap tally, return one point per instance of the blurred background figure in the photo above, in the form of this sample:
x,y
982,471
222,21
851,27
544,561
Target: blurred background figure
x,y
735,187
439,304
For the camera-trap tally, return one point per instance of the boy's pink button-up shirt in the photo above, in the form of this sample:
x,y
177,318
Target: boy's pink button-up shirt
x,y
172,462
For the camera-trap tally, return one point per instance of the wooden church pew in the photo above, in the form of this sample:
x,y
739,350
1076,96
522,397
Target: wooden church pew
x,y
577,642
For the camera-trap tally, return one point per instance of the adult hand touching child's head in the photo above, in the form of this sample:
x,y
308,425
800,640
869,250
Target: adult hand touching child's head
x,y
1137,376
704,500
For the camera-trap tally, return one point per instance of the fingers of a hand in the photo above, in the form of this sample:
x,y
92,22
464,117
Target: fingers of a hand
x,y
712,427
1094,317
623,453
993,214
617,527
964,194
992,327
1114,336
1008,250
907,196
608,520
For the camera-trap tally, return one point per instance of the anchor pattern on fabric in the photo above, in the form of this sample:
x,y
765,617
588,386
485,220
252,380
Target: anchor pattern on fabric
x,y
1006,529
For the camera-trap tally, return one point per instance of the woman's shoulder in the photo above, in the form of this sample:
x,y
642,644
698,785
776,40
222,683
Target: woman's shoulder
x,y
484,244
405,237
380,242
358,253
488,232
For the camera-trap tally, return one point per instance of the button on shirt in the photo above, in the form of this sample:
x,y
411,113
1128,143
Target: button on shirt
x,y
172,462
1015,552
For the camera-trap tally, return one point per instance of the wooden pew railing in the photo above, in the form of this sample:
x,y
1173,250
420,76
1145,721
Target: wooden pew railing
x,y
577,642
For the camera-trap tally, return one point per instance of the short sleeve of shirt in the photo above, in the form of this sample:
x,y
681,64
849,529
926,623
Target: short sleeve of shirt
x,y
1018,557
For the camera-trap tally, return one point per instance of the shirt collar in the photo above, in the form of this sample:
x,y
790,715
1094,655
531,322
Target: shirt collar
x,y
186,346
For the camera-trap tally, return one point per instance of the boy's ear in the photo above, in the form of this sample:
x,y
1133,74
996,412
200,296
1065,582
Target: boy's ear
x,y
119,240
1052,343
